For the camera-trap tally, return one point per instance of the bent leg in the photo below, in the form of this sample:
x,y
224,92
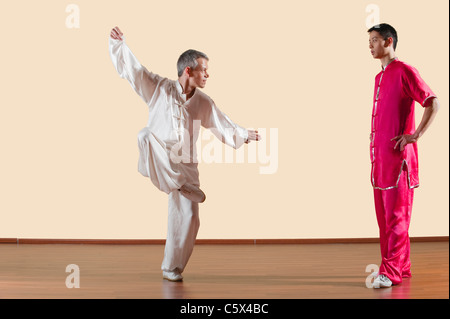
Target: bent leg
x,y
154,162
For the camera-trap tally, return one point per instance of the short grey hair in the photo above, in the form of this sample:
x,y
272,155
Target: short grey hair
x,y
189,59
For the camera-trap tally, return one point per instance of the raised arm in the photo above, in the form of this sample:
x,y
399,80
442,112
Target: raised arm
x,y
129,68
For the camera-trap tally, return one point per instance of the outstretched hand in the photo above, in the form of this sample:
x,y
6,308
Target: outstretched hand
x,y
116,33
253,136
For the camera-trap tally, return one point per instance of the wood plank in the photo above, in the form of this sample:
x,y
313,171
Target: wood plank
x,y
295,271
266,241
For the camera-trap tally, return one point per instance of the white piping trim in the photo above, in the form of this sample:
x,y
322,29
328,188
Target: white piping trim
x,y
398,179
423,103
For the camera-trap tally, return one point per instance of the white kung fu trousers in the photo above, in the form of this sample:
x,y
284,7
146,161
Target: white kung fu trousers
x,y
167,152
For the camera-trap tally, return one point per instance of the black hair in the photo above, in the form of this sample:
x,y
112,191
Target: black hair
x,y
386,31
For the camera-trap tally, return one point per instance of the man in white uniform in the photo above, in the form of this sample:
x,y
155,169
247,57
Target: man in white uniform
x,y
167,143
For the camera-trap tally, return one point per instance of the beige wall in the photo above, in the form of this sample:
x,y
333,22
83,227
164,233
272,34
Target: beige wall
x,y
68,123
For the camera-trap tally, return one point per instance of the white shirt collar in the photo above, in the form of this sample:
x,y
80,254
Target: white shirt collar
x,y
180,91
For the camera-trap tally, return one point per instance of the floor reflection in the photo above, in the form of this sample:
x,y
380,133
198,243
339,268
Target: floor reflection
x,y
401,291
173,290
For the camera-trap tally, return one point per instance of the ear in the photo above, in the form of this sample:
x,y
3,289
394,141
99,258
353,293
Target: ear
x,y
188,71
389,41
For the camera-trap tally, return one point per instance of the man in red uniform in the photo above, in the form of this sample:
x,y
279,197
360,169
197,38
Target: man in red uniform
x,y
393,150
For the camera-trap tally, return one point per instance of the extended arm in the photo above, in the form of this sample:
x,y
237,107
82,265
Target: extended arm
x,y
226,130
431,109
129,68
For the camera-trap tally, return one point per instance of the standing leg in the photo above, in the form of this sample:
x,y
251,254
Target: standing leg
x,y
406,271
397,216
183,225
381,219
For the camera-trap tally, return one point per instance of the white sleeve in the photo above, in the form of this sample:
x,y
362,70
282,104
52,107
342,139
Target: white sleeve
x,y
128,67
224,128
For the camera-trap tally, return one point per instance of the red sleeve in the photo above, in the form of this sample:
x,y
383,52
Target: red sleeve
x,y
415,87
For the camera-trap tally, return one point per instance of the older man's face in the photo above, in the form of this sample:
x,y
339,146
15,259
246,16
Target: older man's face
x,y
199,75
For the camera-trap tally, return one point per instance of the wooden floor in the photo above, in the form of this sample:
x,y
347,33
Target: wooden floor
x,y
324,271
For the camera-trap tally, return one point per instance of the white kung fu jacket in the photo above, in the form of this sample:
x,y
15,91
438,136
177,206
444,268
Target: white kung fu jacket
x,y
173,120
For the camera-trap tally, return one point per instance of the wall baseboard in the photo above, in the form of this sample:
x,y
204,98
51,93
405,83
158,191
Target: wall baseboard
x,y
41,241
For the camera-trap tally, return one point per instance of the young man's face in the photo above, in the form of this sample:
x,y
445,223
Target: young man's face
x,y
199,75
377,45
